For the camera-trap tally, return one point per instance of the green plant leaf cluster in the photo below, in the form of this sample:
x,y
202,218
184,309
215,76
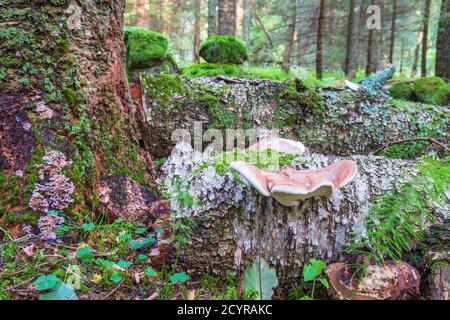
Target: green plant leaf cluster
x,y
261,279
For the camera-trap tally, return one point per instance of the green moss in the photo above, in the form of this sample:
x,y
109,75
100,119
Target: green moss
x,y
432,90
162,88
144,47
223,49
211,69
402,90
303,93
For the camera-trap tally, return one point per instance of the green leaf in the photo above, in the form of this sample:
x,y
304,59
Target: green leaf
x,y
85,253
117,276
324,282
125,237
52,212
142,243
60,231
107,264
118,220
179,277
46,282
124,264
140,230
150,272
61,292
313,269
88,227
306,298
141,258
260,278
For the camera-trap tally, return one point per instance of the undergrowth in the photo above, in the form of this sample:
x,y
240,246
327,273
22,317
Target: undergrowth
x,y
397,219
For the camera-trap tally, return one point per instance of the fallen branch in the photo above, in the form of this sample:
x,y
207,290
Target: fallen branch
x,y
433,141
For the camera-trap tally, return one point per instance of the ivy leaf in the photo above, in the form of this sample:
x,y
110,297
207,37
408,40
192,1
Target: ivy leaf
x,y
313,269
61,292
88,227
179,277
150,272
141,258
324,282
117,276
261,279
85,253
124,264
46,282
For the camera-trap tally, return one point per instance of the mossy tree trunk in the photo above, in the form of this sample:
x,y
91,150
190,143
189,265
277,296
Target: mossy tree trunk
x,y
66,60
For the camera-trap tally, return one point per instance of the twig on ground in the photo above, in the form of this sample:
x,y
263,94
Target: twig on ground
x,y
433,141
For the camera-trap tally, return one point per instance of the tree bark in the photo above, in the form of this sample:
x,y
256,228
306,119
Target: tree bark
x,y
350,56
197,30
416,56
227,17
299,31
393,21
426,18
347,123
290,35
443,43
236,223
143,13
320,34
81,110
247,24
212,17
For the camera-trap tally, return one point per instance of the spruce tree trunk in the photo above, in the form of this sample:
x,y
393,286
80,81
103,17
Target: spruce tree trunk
x,y
247,24
143,13
227,17
351,64
443,42
197,29
393,23
320,34
212,17
290,35
80,109
426,18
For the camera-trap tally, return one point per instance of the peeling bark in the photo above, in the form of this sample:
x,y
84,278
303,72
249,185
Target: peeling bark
x,y
236,223
349,123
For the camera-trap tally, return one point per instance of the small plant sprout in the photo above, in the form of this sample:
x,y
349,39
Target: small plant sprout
x,y
312,272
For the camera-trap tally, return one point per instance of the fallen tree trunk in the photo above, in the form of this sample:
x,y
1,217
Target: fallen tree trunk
x,y
236,223
328,120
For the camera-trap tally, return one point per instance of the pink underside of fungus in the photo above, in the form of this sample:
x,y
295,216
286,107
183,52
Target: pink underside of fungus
x,y
290,185
54,189
278,144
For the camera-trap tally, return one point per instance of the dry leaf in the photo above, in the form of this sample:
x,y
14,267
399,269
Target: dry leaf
x,y
29,251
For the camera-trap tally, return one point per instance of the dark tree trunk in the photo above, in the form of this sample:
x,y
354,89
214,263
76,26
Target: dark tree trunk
x,y
402,53
426,18
416,57
299,31
443,42
393,21
370,45
227,17
197,29
290,35
81,110
320,34
212,17
247,24
350,56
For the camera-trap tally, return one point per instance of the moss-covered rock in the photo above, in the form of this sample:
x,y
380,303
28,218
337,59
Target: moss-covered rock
x,y
148,51
432,90
402,90
223,49
205,69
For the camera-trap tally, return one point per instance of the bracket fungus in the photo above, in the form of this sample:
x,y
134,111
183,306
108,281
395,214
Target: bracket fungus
x,y
392,281
351,85
290,185
279,144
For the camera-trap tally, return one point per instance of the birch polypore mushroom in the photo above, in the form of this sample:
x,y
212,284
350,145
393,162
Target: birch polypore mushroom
x,y
291,185
279,144
392,281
